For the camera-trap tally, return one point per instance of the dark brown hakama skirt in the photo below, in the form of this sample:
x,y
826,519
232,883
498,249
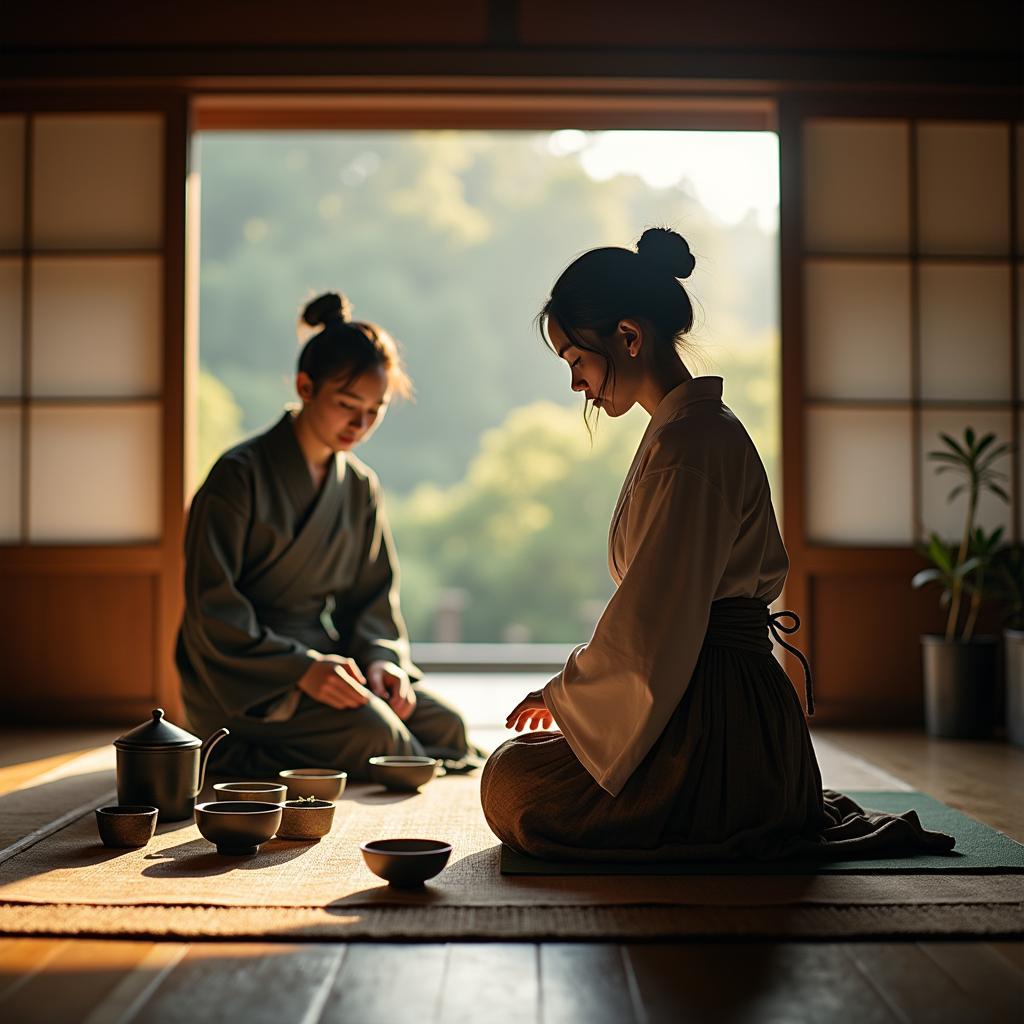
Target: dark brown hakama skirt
x,y
733,776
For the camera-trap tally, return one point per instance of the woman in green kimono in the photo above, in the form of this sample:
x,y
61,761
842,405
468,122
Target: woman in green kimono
x,y
292,635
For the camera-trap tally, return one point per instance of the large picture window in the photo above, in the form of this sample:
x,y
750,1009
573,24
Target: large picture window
x,y
498,498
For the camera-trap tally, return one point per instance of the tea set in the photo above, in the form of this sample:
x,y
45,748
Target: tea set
x,y
160,773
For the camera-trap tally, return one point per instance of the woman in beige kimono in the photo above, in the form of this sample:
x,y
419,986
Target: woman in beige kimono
x,y
681,736
292,635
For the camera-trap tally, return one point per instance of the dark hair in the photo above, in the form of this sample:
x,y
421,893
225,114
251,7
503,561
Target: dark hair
x,y
610,284
345,346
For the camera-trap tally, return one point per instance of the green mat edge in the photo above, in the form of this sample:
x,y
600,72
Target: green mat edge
x,y
934,814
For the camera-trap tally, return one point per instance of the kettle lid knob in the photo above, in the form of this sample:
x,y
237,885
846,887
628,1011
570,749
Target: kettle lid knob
x,y
157,734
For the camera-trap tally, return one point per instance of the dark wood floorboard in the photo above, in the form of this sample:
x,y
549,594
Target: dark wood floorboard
x,y
1012,952
251,982
915,986
22,960
585,983
987,978
381,983
490,983
706,983
76,978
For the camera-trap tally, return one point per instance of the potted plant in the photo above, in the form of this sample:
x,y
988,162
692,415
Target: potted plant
x,y
1010,581
959,666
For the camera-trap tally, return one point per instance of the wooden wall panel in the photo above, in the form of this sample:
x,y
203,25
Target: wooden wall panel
x,y
240,23
865,650
865,646
79,648
911,26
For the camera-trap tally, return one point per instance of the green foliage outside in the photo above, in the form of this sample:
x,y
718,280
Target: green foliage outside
x,y
220,421
451,241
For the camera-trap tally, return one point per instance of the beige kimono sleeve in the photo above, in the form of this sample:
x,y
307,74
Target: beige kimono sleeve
x,y
617,693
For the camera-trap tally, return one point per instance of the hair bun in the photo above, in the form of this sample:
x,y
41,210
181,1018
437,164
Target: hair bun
x,y
327,307
667,250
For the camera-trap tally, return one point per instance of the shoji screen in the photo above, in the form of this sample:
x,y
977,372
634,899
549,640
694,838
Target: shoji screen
x,y
907,249
87,447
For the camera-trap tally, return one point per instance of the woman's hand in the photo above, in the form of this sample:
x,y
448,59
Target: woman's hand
x,y
336,682
391,683
530,711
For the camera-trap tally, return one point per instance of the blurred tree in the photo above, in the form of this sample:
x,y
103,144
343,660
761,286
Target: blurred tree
x,y
523,533
220,422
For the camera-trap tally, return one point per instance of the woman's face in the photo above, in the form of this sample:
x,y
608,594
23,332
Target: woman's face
x,y
342,413
590,370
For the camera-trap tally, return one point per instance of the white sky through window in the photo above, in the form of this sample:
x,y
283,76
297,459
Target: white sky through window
x,y
730,173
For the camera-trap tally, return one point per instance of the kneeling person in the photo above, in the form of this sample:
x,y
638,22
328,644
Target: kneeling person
x,y
292,635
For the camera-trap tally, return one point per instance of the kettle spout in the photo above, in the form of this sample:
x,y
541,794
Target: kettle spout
x,y
207,747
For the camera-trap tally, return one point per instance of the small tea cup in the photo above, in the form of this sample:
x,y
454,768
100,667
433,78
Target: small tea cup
x,y
405,773
122,826
267,792
323,783
306,819
406,863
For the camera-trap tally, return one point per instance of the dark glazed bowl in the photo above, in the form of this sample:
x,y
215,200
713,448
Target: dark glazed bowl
x,y
406,863
305,820
126,825
265,792
323,783
405,773
238,827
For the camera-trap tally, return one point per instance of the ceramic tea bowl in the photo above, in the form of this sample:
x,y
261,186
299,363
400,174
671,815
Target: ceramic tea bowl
x,y
406,863
303,819
266,792
403,773
323,783
126,825
238,827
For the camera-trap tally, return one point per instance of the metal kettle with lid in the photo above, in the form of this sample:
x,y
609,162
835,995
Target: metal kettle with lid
x,y
162,765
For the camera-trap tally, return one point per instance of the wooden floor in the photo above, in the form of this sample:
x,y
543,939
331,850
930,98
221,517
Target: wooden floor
x,y
115,982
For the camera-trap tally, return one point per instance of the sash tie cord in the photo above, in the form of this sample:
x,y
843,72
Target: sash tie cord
x,y
774,624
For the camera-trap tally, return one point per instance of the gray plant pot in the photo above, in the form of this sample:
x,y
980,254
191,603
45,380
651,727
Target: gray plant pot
x,y
959,687
1013,647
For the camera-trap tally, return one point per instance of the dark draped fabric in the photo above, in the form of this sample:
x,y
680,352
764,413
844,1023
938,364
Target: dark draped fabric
x,y
732,776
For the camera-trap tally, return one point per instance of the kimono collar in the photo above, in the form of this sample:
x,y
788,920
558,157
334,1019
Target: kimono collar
x,y
674,405
697,389
289,464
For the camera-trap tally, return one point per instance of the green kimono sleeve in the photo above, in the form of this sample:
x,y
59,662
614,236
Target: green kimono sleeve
x,y
239,661
368,612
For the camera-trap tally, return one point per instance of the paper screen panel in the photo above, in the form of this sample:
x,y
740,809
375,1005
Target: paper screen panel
x,y
12,182
857,329
10,327
965,331
10,474
96,324
859,476
94,474
97,181
963,188
944,517
856,186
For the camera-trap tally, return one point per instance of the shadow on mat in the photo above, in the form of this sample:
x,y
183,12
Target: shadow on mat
x,y
197,859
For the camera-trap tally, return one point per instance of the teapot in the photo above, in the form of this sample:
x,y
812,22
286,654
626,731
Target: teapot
x,y
162,765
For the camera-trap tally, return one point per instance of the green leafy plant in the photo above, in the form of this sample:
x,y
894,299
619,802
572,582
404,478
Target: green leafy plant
x,y
962,570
